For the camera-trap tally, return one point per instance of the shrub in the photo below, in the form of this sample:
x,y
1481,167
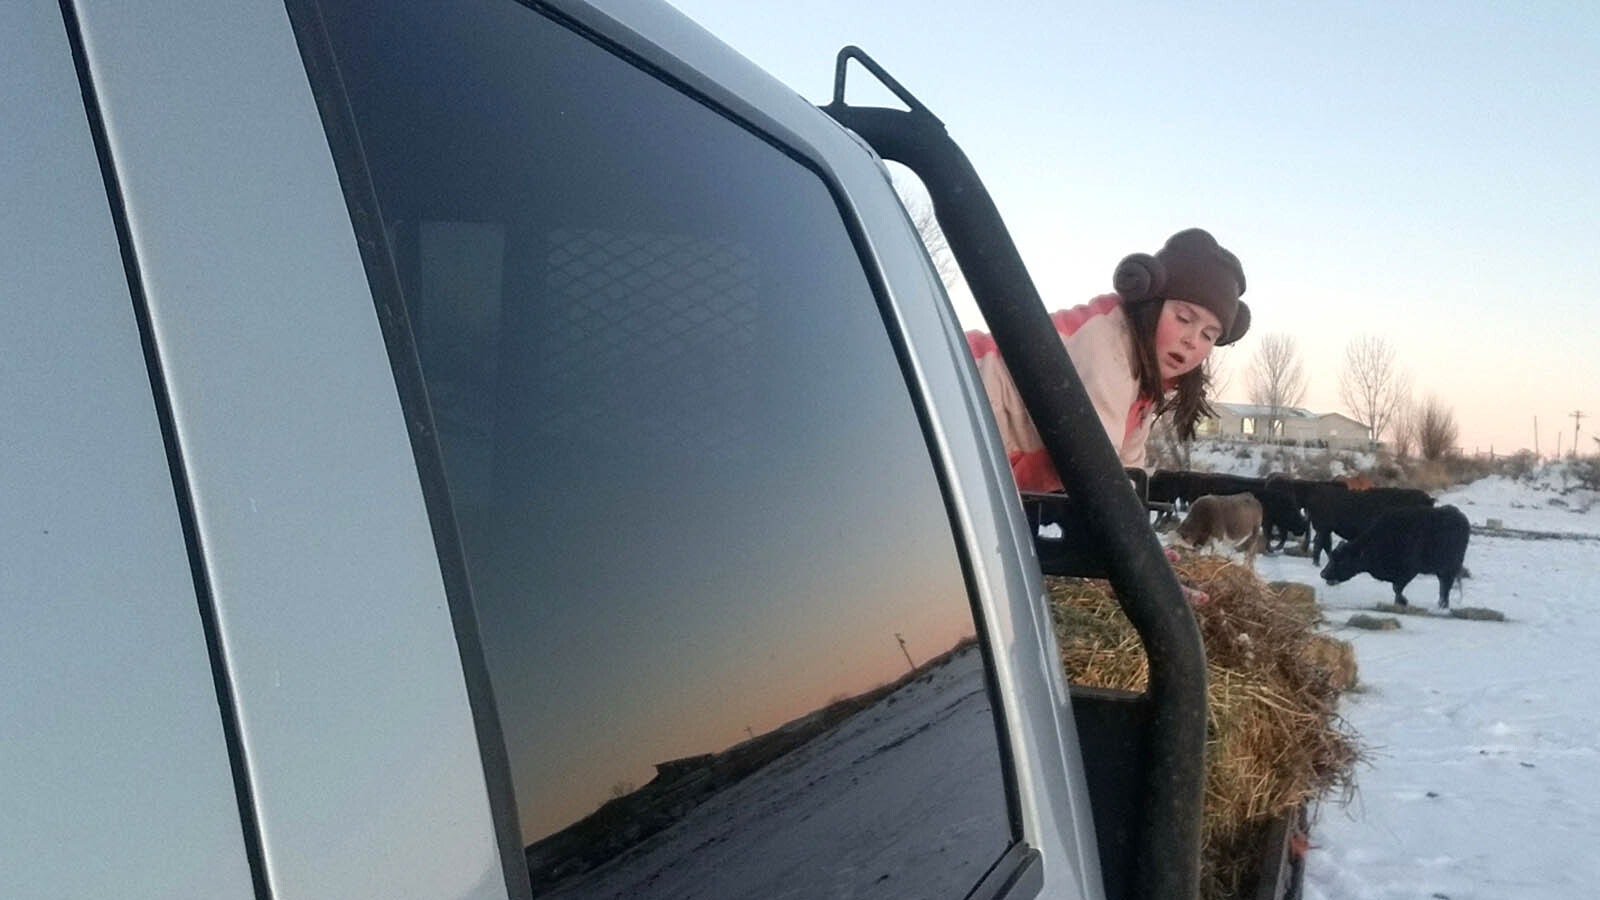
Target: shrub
x,y
1466,469
1318,467
1428,475
1519,465
1389,472
1585,470
1436,429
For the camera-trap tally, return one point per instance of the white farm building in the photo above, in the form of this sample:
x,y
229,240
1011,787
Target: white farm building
x,y
1247,422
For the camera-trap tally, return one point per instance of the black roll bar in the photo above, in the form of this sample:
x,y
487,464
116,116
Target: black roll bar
x,y
1167,860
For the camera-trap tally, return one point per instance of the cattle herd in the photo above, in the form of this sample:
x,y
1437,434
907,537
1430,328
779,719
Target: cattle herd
x,y
1393,534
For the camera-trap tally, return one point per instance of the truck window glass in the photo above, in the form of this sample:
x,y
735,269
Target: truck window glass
x,y
727,632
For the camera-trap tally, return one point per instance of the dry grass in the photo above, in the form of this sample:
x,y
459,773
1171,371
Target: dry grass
x,y
1275,740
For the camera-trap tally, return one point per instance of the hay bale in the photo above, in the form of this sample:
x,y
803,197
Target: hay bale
x,y
1099,647
1299,599
1274,740
1477,613
1336,657
1373,623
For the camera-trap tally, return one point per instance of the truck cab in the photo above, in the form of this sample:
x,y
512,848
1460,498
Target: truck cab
x,y
493,450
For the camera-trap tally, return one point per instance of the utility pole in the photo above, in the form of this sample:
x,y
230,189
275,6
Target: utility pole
x,y
905,651
1536,438
1577,425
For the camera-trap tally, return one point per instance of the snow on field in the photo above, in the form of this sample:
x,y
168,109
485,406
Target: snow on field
x,y
791,829
1483,776
1247,459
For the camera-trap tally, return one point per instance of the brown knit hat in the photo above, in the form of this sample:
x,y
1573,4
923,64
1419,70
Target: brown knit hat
x,y
1193,267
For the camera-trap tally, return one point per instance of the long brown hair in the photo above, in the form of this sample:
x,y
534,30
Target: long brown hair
x,y
1187,399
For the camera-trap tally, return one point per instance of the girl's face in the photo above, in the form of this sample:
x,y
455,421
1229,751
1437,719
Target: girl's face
x,y
1185,334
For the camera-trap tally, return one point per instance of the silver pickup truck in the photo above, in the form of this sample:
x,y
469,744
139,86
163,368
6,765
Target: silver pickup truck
x,y
516,449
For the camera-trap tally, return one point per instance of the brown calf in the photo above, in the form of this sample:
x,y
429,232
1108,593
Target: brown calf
x,y
1235,518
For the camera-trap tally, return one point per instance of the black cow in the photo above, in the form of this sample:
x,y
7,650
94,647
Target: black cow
x,y
1177,487
1403,543
1280,516
1349,513
1168,486
1303,488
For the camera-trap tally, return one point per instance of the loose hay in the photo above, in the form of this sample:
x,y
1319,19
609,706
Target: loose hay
x,y
1274,738
1335,656
1298,599
1373,623
1477,613
1410,609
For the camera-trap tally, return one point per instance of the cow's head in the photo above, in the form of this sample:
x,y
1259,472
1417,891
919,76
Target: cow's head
x,y
1190,531
1344,563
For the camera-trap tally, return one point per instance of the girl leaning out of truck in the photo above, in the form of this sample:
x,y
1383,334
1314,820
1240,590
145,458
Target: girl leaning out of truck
x,y
1139,351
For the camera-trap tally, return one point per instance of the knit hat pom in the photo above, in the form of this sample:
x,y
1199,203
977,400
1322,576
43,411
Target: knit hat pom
x,y
1139,277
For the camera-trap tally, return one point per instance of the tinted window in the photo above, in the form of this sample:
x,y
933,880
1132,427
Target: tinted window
x,y
719,597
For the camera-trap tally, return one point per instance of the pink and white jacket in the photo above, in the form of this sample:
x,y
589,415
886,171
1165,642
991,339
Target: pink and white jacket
x,y
1097,339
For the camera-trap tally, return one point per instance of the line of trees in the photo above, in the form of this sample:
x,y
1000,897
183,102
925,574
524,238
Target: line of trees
x,y
1373,387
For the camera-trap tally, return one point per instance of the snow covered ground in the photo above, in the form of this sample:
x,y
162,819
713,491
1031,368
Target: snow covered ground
x,y
1483,779
791,830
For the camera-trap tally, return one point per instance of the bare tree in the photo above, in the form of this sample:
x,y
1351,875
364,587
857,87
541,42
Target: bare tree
x,y
1403,428
1436,430
1219,374
1277,378
1167,450
915,199
1402,401
1371,385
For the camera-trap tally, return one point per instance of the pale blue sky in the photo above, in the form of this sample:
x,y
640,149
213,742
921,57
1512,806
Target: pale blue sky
x,y
1421,170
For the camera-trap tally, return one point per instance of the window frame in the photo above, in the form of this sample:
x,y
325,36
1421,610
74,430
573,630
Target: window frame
x,y
1017,872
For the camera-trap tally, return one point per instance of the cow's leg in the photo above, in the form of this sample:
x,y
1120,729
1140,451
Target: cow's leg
x,y
1252,543
1323,541
1399,587
1445,580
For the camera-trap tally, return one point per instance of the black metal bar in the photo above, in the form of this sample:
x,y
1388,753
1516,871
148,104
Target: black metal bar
x,y
842,65
1168,855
